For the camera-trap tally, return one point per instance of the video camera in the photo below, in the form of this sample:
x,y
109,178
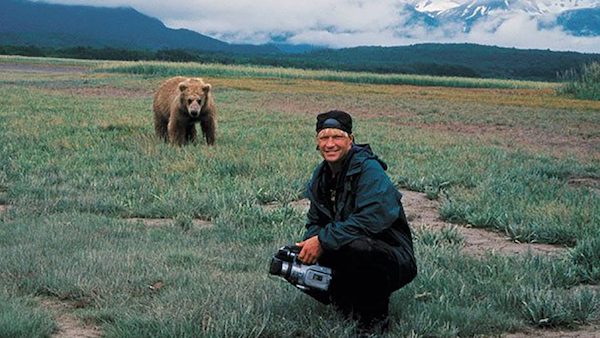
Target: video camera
x,y
308,278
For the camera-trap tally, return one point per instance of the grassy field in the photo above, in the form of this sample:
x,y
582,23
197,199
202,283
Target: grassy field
x,y
81,176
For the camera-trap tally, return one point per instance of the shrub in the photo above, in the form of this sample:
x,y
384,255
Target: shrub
x,y
584,84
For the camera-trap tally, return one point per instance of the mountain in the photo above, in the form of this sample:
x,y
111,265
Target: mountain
x,y
50,25
576,17
581,22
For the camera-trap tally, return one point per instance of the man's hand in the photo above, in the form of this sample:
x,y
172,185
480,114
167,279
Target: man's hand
x,y
311,250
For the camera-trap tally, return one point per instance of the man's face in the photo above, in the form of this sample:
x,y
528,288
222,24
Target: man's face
x,y
333,144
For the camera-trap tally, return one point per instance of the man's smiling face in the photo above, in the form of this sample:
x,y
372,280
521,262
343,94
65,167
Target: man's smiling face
x,y
334,144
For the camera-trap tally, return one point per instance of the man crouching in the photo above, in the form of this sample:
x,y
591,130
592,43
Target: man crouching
x,y
356,226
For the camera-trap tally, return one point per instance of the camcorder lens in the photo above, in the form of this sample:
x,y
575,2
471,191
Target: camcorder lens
x,y
275,268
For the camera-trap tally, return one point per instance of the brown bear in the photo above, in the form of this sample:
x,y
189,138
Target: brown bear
x,y
179,103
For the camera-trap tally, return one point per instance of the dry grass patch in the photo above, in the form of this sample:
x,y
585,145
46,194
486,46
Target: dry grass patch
x,y
534,98
536,120
513,137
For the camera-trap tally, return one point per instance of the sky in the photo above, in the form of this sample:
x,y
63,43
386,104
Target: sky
x,y
338,24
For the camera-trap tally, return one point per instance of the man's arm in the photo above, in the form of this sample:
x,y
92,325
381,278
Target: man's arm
x,y
313,222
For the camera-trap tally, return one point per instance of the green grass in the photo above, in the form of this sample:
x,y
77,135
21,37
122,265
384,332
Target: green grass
x,y
20,317
219,70
78,157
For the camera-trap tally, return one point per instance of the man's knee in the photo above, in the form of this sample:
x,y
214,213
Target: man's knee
x,y
353,254
362,258
358,247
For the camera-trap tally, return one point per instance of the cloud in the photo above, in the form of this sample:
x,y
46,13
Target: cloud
x,y
343,23
509,32
256,21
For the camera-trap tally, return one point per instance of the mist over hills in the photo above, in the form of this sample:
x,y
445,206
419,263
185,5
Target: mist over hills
x,y
42,25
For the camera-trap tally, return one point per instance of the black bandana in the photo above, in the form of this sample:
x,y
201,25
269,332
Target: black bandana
x,y
334,119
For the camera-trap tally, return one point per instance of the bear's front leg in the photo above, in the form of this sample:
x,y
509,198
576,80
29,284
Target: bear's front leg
x,y
176,133
191,133
160,127
208,129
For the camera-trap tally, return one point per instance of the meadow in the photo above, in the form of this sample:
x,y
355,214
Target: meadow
x,y
138,238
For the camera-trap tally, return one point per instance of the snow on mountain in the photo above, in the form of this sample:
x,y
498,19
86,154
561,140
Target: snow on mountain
x,y
479,7
432,6
471,12
557,6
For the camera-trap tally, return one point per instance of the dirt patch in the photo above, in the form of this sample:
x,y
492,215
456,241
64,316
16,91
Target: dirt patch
x,y
109,92
3,208
69,326
586,182
197,224
583,332
106,91
423,213
299,205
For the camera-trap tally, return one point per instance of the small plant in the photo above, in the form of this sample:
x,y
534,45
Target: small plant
x,y
586,257
446,236
433,191
183,221
583,84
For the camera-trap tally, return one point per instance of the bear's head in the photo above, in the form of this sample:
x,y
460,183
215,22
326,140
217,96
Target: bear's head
x,y
194,95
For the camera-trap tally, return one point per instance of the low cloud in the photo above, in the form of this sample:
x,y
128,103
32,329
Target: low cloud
x,y
510,32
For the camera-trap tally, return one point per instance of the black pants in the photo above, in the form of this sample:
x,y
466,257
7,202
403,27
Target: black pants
x,y
365,273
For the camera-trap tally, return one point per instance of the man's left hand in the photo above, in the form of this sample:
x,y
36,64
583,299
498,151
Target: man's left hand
x,y
311,250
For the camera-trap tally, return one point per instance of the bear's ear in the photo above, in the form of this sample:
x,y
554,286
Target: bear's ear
x,y
206,88
183,86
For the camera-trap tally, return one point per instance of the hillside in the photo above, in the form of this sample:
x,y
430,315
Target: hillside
x,y
50,25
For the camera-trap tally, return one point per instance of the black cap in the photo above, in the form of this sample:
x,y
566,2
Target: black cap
x,y
335,119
